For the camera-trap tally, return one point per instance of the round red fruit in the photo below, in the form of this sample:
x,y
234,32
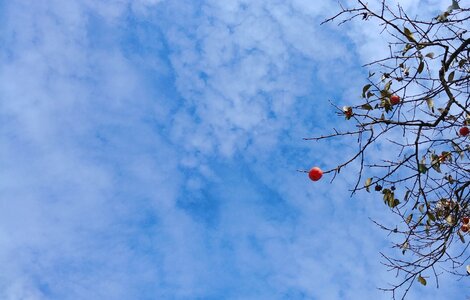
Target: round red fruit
x,y
464,131
315,173
465,220
394,99
464,228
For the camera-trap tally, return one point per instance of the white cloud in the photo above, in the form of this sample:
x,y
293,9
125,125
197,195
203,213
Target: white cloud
x,y
95,176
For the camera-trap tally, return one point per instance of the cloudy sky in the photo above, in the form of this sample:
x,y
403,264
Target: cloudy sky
x,y
149,148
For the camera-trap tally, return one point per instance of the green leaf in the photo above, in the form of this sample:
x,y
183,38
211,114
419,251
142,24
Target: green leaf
x,y
430,103
367,106
365,89
387,86
409,35
368,183
421,280
430,55
421,67
451,76
369,94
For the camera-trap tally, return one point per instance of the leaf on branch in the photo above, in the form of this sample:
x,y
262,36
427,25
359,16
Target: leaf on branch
x,y
462,239
450,220
409,218
385,76
389,198
422,168
427,228
365,89
421,67
405,247
369,94
421,208
458,149
430,103
435,163
422,280
462,62
430,55
387,86
450,179
406,72
455,5
431,217
394,203
443,17
407,194
409,35
367,106
451,76
367,184
407,47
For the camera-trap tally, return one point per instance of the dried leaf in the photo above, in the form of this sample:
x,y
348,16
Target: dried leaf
x,y
422,280
368,183
430,55
409,218
409,35
430,103
451,76
421,67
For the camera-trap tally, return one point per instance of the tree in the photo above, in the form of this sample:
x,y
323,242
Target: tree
x,y
416,101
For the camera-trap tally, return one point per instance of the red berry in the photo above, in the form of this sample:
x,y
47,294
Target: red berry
x,y
465,220
464,131
315,173
394,99
464,228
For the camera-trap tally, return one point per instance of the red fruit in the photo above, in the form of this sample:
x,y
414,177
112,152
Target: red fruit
x,y
465,220
464,131
464,228
394,99
315,173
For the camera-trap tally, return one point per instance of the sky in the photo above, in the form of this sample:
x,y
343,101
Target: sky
x,y
149,150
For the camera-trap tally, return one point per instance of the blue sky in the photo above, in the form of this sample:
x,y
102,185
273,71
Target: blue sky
x,y
149,150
